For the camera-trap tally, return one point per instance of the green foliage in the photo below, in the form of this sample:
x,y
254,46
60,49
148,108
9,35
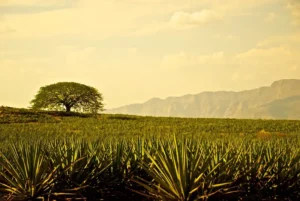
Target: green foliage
x,y
25,173
68,95
181,171
123,157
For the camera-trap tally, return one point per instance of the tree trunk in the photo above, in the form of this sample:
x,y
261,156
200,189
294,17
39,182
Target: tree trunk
x,y
68,108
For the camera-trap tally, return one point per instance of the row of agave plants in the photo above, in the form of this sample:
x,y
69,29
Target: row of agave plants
x,y
178,169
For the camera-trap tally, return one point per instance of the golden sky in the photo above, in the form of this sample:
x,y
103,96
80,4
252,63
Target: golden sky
x,y
133,50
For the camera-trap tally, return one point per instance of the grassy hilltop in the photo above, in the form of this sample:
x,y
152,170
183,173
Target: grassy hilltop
x,y
64,124
59,155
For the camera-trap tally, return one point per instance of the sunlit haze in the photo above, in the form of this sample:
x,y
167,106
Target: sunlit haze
x,y
134,50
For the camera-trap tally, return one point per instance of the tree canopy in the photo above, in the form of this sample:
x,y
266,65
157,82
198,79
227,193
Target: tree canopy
x,y
67,96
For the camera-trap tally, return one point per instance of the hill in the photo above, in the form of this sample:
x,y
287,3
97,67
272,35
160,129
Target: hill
x,y
278,101
20,115
88,158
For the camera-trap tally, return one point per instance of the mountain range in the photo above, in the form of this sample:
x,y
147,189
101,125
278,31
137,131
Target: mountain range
x,y
281,100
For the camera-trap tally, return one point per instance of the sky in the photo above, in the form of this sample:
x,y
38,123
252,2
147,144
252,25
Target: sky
x,y
134,50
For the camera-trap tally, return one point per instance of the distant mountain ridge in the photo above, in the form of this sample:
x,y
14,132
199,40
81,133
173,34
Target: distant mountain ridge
x,y
281,100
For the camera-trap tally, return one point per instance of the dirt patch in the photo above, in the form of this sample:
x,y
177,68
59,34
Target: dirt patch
x,y
281,135
265,135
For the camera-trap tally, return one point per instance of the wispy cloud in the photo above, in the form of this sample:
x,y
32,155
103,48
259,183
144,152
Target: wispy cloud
x,y
289,39
270,17
184,59
34,6
6,29
214,10
294,7
183,19
79,57
268,63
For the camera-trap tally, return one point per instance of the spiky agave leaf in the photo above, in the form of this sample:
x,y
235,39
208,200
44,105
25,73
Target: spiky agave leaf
x,y
178,173
80,162
26,174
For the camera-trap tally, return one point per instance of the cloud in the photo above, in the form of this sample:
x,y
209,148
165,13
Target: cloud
x,y
16,2
19,78
237,6
34,2
290,39
77,63
270,17
180,20
223,36
294,67
95,20
34,6
20,66
294,7
132,51
266,56
184,59
152,28
6,29
183,19
79,56
236,76
267,63
216,10
89,18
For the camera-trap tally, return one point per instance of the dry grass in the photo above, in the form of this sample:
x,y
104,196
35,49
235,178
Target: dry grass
x,y
281,135
265,135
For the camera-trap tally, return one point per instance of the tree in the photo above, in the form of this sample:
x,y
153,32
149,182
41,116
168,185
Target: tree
x,y
67,96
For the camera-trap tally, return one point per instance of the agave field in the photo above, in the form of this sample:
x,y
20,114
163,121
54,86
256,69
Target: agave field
x,y
67,156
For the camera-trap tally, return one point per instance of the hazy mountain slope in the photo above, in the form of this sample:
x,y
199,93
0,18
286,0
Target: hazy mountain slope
x,y
274,101
288,108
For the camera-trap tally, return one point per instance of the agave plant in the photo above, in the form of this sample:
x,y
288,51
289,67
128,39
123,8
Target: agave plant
x,y
26,174
179,170
268,172
80,164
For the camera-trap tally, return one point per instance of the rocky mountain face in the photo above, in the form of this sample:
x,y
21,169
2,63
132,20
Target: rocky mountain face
x,y
281,100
